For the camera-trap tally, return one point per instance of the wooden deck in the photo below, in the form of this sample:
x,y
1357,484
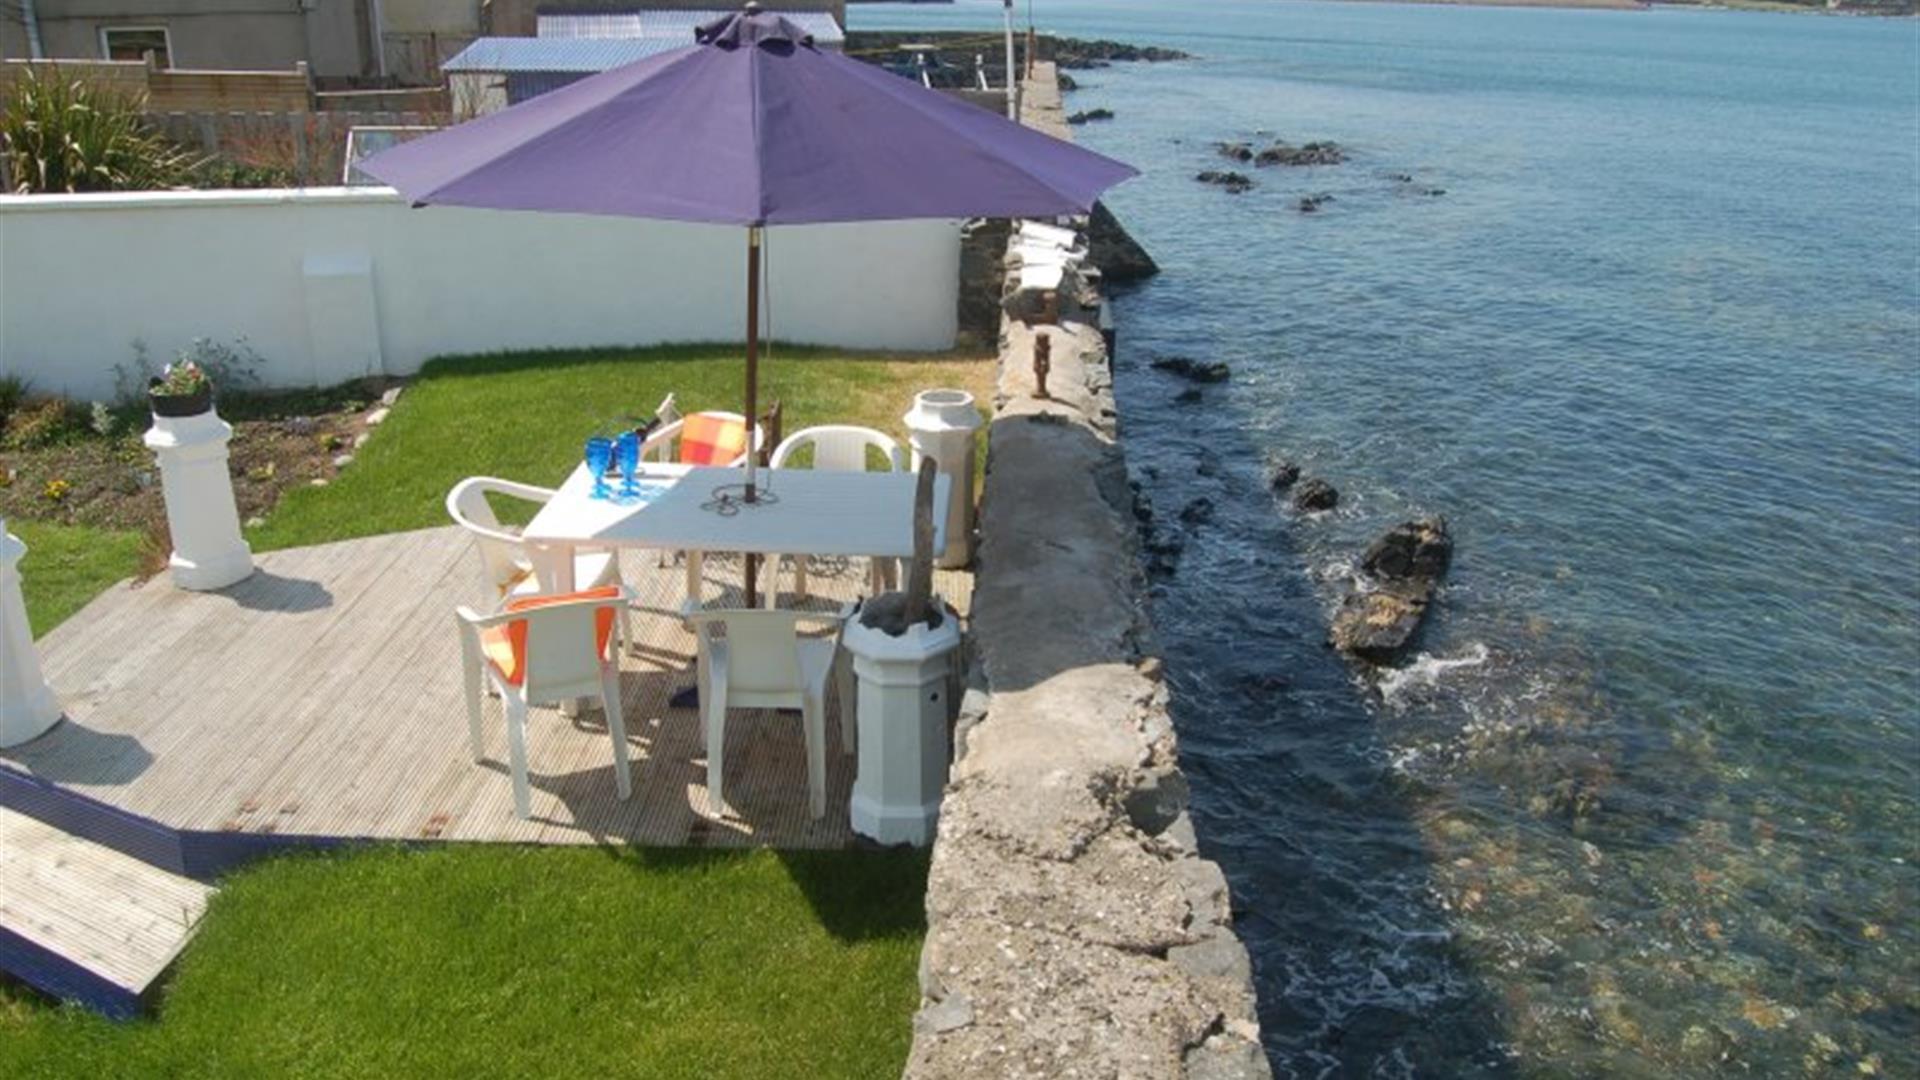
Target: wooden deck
x,y
321,698
85,921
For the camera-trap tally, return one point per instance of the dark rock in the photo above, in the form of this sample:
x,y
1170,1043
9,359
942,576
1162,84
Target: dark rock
x,y
1315,494
1200,371
1114,252
1208,467
1403,568
1235,151
1411,549
1309,204
1197,512
1284,475
1234,182
1089,116
1074,53
1189,396
1436,191
1066,82
1313,153
1404,178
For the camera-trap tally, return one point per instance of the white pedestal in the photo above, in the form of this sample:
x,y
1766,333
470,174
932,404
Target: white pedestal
x,y
942,425
208,552
27,705
903,714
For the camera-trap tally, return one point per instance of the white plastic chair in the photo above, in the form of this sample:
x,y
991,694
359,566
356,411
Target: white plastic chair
x,y
506,573
836,448
764,663
562,659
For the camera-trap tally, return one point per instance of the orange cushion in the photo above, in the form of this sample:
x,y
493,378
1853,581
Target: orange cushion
x,y
706,439
505,645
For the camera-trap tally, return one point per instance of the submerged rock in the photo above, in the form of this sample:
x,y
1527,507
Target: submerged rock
x,y
1200,371
1189,396
1234,182
1197,512
1285,473
1089,116
1235,151
1066,82
1309,204
1377,620
1314,495
1313,153
1114,251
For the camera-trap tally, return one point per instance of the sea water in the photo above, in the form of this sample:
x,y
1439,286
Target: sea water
x,y
1643,801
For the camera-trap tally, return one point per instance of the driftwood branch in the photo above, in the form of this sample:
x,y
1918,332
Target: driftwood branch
x,y
895,612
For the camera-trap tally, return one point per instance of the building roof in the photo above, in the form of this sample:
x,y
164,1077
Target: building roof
x,y
679,25
509,54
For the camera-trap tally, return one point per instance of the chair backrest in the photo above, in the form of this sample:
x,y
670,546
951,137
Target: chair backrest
x,y
702,438
763,647
500,550
561,641
840,448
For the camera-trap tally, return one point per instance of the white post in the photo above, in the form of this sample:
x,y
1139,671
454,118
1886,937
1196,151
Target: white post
x,y
27,704
941,426
208,552
903,715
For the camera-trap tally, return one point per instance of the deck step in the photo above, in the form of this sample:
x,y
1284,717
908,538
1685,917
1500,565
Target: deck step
x,y
87,923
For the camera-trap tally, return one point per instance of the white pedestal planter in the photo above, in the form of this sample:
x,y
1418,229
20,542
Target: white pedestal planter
x,y
27,705
903,714
942,425
208,552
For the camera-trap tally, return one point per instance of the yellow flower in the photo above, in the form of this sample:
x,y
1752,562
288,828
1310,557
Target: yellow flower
x,y
56,490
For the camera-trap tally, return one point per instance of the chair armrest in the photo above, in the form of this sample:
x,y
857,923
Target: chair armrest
x,y
518,490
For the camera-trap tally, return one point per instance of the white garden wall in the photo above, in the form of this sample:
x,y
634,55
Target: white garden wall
x,y
329,284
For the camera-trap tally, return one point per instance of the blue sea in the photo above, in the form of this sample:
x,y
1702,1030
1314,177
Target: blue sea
x,y
1643,802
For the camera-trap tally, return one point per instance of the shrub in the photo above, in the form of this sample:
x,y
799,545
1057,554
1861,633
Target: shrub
x,y
231,368
45,421
67,135
13,394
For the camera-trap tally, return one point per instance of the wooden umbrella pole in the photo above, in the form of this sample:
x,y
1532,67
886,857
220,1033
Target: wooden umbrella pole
x,y
753,392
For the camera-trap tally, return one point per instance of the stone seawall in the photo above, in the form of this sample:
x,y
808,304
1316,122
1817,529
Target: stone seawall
x,y
1073,928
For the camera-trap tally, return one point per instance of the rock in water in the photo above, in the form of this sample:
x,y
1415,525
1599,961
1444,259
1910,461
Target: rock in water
x,y
1066,82
1197,512
1375,623
1284,475
1314,495
1411,549
1234,182
1117,255
1090,115
1314,153
1200,371
1311,203
1235,151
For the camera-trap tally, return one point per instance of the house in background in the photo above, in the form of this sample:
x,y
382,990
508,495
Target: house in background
x,y
344,43
520,18
572,43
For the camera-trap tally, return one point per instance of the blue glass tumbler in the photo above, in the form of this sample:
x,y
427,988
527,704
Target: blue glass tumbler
x,y
627,452
599,454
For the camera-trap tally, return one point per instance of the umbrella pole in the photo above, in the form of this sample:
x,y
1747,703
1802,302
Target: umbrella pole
x,y
753,388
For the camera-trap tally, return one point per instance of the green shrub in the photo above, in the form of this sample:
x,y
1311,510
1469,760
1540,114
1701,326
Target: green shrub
x,y
67,134
13,393
45,421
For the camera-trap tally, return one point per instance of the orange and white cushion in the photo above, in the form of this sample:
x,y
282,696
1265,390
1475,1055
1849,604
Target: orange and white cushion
x,y
706,439
505,645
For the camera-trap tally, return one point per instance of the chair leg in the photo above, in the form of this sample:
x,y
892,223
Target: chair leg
x,y
616,727
772,584
517,751
470,682
848,690
799,578
813,718
702,681
715,705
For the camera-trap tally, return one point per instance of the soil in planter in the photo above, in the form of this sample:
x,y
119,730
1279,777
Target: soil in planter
x,y
280,441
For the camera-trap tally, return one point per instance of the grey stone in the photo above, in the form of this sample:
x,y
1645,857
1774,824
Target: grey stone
x,y
1157,800
342,461
941,1017
1227,1057
390,396
377,416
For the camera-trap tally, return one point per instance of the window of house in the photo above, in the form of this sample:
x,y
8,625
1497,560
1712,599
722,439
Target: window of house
x,y
135,42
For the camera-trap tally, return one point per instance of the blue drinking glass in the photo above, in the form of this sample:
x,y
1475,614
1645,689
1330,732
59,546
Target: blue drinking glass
x,y
627,452
599,454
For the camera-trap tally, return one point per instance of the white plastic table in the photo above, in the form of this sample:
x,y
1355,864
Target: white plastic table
x,y
802,512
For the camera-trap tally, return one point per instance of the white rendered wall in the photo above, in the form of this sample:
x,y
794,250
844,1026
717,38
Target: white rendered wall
x,y
330,284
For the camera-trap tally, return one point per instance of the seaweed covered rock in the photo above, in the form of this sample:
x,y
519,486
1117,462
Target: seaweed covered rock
x,y
1234,182
1313,153
1315,495
1402,572
1114,251
1088,116
1200,371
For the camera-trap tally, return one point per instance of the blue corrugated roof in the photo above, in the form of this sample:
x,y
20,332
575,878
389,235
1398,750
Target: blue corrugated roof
x,y
556,54
679,25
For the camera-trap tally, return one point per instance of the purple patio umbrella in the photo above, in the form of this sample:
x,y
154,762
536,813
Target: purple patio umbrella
x,y
752,126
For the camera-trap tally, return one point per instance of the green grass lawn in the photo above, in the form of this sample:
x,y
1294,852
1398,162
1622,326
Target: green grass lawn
x,y
515,961
474,960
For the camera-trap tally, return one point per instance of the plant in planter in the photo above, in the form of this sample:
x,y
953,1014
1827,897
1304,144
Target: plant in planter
x,y
182,389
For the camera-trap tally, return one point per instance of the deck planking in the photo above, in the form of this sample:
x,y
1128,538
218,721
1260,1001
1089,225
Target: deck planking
x,y
322,698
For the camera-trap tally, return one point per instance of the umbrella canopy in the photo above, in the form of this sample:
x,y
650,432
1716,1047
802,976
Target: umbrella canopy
x,y
752,126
